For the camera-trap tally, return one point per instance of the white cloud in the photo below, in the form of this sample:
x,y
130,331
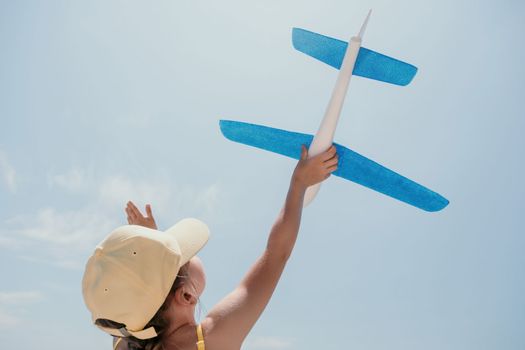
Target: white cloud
x,y
9,242
268,342
10,298
58,239
15,301
8,172
64,228
166,198
61,263
62,238
7,320
205,200
115,191
74,181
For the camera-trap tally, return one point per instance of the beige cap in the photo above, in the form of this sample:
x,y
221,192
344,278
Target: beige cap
x,y
130,274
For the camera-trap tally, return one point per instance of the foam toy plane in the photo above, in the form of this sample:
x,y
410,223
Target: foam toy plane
x,y
351,59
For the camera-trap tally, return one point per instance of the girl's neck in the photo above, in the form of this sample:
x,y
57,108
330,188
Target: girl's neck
x,y
180,319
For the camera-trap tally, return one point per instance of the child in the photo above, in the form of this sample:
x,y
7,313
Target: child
x,y
142,285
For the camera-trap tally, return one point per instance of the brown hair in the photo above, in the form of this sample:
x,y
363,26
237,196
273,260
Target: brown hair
x,y
158,321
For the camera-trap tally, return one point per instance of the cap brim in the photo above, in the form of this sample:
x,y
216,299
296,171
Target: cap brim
x,y
191,235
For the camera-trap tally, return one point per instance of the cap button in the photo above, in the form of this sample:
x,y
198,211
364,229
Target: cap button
x,y
98,252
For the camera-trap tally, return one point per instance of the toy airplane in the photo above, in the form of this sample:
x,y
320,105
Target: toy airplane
x,y
351,59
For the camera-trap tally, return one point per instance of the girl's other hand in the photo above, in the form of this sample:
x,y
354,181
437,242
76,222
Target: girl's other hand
x,y
135,217
308,172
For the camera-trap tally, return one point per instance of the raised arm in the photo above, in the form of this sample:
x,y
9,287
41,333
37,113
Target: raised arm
x,y
229,322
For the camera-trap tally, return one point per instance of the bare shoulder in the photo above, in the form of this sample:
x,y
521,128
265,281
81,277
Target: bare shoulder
x,y
186,339
214,339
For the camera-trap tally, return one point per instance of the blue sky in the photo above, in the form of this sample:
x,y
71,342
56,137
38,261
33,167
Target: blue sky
x,y
106,101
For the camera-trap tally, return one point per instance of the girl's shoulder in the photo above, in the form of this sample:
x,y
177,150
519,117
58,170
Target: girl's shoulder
x,y
187,339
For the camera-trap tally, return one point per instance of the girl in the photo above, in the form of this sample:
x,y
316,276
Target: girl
x,y
228,323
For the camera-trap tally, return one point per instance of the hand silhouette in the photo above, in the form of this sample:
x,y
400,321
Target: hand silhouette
x,y
135,217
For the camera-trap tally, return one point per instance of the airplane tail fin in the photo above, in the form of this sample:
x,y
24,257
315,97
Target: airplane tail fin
x,y
369,64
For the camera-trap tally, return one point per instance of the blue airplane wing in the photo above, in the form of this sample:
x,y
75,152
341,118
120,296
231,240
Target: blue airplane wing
x,y
369,64
352,166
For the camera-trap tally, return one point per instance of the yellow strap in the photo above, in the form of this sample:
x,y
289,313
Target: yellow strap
x,y
116,344
200,337
200,343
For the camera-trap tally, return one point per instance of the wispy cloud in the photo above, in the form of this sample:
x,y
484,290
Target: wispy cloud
x,y
11,298
66,264
10,242
7,320
54,238
14,301
268,342
205,200
63,228
73,181
7,172
63,236
115,191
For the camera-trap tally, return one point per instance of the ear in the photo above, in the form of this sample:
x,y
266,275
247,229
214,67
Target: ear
x,y
183,297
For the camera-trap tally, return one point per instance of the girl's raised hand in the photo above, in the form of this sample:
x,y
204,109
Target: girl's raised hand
x,y
135,217
308,172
